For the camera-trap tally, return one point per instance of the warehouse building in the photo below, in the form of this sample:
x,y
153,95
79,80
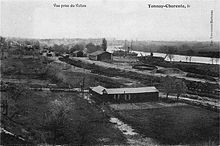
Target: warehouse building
x,y
124,95
100,56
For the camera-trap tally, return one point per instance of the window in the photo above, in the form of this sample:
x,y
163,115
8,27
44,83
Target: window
x,y
118,96
127,97
115,97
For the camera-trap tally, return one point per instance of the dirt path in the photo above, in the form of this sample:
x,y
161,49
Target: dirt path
x,y
133,138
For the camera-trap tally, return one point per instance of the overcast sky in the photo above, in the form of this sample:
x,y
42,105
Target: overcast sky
x,y
120,19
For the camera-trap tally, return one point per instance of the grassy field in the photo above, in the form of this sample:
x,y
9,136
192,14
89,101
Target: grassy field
x,y
74,76
175,125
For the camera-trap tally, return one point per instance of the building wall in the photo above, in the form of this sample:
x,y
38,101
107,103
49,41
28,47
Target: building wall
x,y
132,98
104,56
101,57
95,96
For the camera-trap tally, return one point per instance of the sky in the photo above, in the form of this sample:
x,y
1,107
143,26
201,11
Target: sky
x,y
119,19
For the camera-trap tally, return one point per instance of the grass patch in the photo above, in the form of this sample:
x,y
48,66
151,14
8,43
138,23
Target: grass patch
x,y
175,125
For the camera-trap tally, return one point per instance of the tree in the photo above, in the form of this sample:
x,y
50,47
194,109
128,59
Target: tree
x,y
215,55
168,85
170,50
98,47
65,125
18,97
77,47
173,85
186,58
216,60
2,40
55,74
56,120
37,45
180,87
84,131
91,48
60,48
170,56
104,44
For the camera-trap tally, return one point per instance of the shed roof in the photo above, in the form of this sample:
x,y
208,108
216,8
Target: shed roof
x,y
100,89
98,53
78,51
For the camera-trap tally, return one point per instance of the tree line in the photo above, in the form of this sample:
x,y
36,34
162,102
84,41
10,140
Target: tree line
x,y
88,48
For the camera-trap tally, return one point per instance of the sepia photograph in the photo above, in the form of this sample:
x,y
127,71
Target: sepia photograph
x,y
109,72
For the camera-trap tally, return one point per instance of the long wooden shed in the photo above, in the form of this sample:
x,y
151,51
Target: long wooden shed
x,y
124,95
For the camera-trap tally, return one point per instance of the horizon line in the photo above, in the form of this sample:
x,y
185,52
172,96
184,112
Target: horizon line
x,y
59,38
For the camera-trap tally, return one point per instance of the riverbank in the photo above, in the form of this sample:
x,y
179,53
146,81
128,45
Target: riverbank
x,y
200,54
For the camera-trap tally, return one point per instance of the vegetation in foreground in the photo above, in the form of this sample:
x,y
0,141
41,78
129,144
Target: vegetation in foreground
x,y
50,117
175,125
58,118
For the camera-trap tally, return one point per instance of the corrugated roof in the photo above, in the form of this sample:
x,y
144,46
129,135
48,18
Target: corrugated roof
x,y
131,90
99,89
98,53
